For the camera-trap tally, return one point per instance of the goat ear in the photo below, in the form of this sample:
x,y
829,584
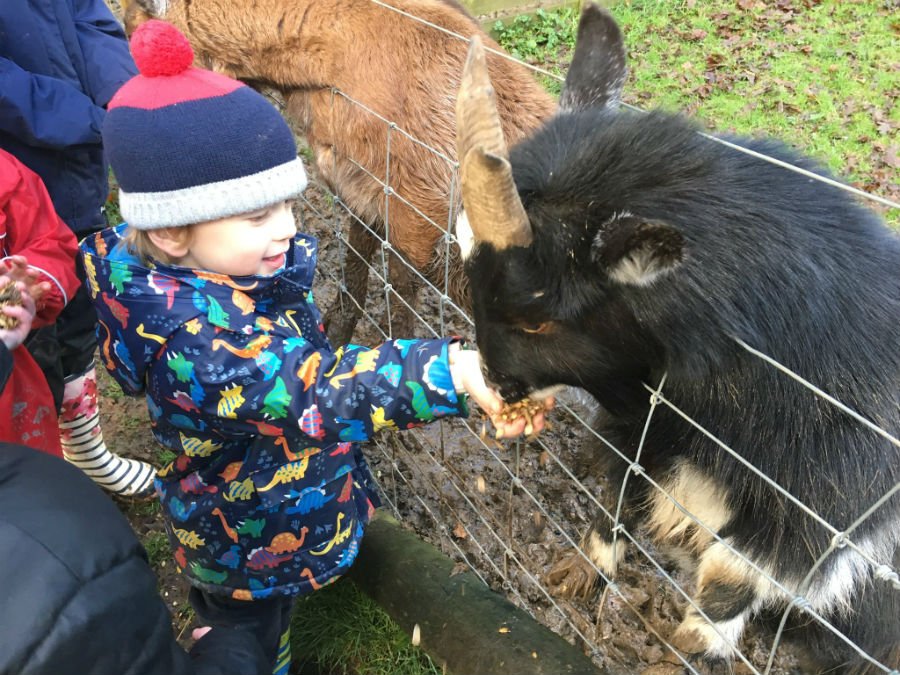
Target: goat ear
x,y
636,252
598,71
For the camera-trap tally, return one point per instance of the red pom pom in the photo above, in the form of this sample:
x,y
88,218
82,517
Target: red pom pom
x,y
159,49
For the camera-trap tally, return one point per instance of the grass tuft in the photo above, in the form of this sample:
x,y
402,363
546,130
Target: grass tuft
x,y
156,544
358,637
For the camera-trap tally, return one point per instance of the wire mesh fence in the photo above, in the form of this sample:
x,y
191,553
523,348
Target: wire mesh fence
x,y
511,511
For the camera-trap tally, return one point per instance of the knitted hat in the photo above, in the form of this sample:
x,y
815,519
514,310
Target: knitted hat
x,y
188,145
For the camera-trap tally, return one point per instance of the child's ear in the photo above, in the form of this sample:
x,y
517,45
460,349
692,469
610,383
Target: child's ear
x,y
173,241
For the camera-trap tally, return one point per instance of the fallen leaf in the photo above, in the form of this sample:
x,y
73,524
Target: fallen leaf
x,y
459,568
891,157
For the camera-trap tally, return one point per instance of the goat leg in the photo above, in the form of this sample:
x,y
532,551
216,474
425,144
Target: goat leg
x,y
576,575
344,312
403,280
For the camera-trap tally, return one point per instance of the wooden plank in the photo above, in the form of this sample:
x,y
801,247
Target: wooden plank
x,y
464,626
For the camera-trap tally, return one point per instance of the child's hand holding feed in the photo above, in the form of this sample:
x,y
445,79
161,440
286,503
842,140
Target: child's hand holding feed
x,y
16,267
465,369
16,312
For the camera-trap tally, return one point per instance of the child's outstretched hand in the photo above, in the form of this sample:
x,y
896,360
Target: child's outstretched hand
x,y
465,369
16,268
23,314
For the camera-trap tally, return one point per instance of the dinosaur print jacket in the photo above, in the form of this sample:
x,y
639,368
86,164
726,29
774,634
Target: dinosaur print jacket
x,y
269,492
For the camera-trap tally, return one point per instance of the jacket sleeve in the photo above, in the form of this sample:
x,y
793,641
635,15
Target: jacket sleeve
x,y
105,49
35,231
45,112
332,397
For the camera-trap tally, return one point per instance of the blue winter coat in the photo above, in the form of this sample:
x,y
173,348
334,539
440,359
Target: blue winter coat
x,y
269,492
60,63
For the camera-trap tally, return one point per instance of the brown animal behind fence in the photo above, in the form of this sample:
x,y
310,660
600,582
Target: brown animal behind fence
x,y
402,69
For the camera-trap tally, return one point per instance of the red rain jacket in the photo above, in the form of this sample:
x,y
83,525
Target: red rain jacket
x,y
30,227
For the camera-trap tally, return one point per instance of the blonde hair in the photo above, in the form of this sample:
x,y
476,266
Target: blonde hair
x,y
139,244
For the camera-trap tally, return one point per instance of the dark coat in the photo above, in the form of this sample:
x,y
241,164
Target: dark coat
x,y
269,493
78,595
60,63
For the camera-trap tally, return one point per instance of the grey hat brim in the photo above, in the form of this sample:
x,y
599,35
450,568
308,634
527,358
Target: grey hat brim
x,y
201,203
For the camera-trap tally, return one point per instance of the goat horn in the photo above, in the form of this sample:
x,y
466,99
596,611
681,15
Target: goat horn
x,y
489,194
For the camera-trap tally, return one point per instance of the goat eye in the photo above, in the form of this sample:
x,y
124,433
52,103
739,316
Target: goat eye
x,y
536,328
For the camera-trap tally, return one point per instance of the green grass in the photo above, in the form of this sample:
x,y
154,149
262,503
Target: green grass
x,y
157,547
825,77
345,633
165,456
147,508
534,37
111,208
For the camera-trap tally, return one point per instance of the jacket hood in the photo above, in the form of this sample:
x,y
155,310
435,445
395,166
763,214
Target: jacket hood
x,y
119,283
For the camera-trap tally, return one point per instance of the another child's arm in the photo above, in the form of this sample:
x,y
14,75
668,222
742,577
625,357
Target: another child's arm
x,y
46,112
106,55
42,248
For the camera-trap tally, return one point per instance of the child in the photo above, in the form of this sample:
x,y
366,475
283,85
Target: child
x,y
38,254
205,304
60,62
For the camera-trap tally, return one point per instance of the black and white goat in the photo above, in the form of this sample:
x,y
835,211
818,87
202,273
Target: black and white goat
x,y
612,250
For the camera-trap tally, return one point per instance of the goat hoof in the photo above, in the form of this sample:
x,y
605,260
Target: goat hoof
x,y
573,576
692,645
687,641
710,665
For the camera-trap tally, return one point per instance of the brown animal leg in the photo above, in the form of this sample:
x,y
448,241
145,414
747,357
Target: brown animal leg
x,y
343,314
403,323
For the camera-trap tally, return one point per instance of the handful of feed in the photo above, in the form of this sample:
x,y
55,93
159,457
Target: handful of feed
x,y
526,408
9,295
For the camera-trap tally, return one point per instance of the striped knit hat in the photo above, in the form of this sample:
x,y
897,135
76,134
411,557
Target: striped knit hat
x,y
188,145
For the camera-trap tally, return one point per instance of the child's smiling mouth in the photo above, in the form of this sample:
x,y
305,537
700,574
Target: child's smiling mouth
x,y
274,261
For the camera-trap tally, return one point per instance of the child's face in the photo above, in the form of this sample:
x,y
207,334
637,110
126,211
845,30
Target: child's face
x,y
250,243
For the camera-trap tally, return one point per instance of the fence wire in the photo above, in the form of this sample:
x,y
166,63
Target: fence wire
x,y
510,511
